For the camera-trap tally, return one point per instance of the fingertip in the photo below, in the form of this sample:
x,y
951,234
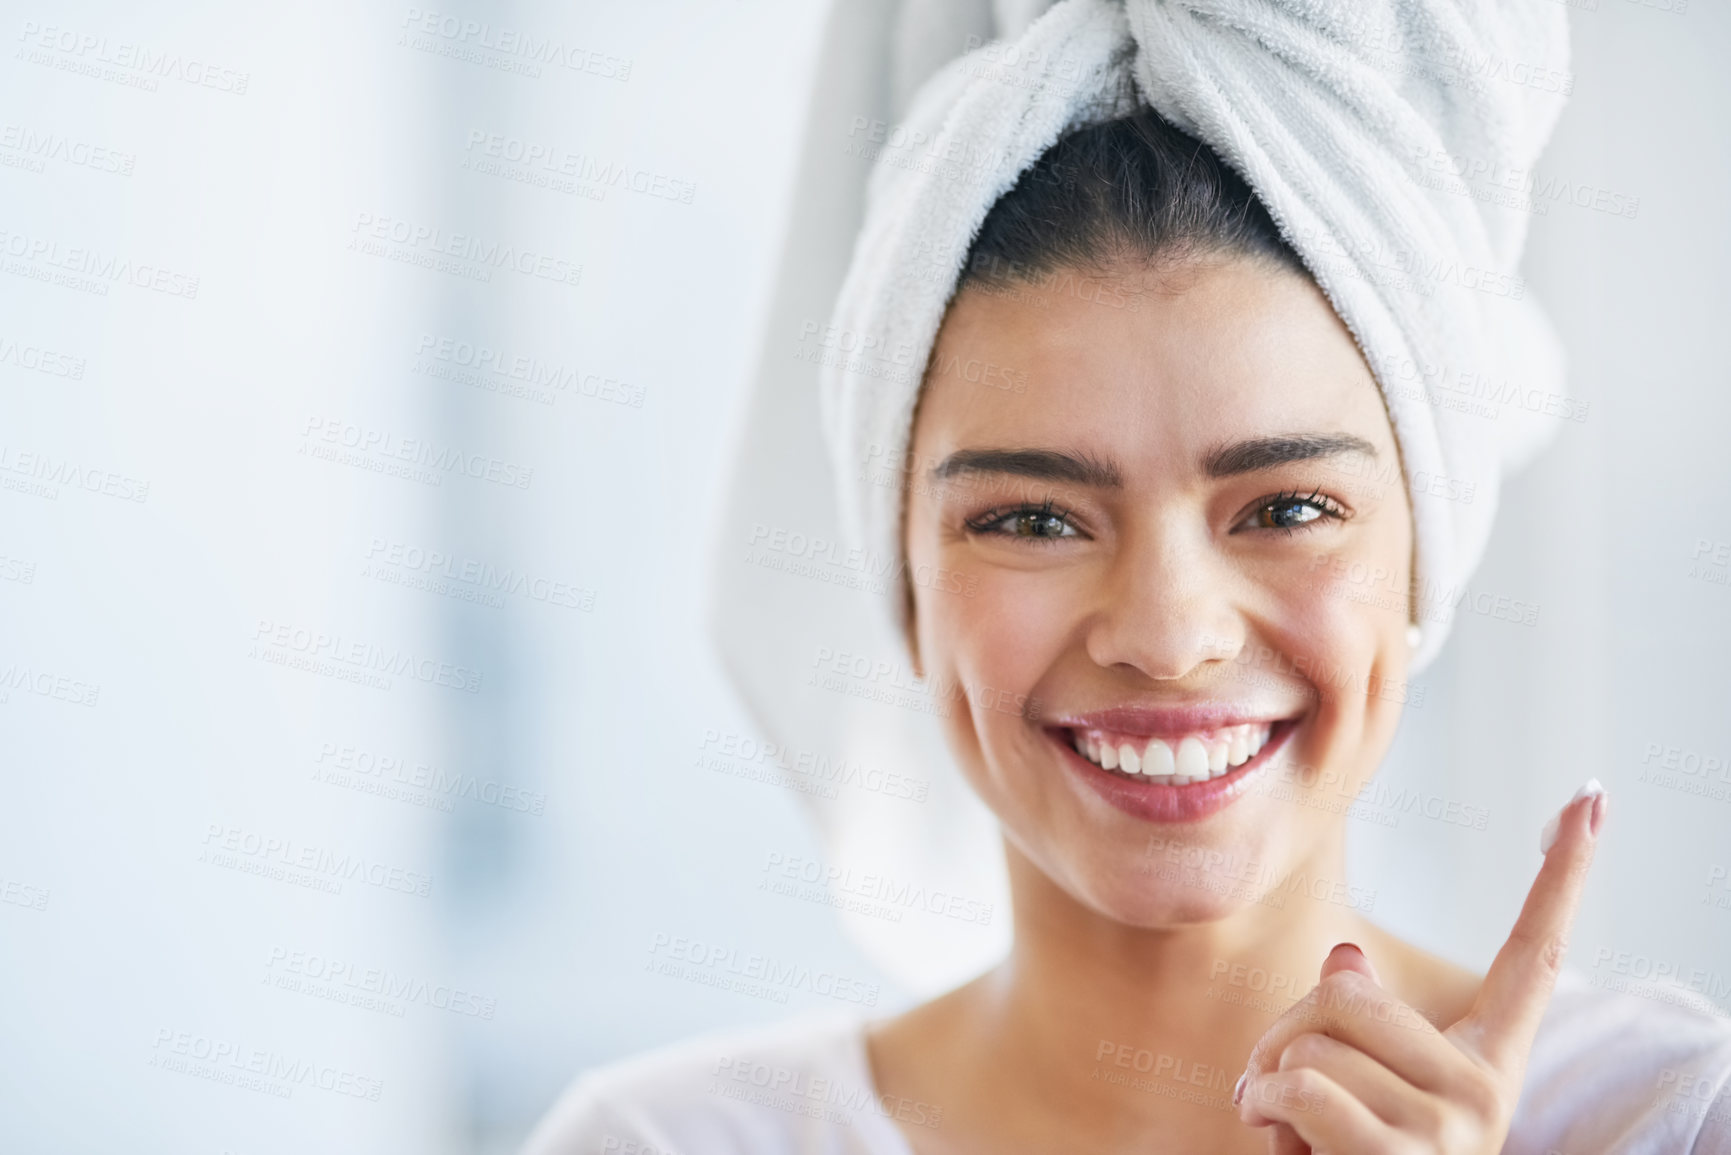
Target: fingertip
x,y
1247,1112
1344,954
1349,956
1594,795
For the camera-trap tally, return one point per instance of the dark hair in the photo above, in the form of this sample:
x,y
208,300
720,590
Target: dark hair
x,y
1134,188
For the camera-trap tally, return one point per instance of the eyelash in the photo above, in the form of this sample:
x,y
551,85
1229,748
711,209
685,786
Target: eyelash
x,y
1329,509
983,523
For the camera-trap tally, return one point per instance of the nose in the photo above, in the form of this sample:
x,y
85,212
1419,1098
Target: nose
x,y
1168,608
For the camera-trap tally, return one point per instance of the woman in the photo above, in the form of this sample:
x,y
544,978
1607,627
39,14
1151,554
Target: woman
x,y
1153,525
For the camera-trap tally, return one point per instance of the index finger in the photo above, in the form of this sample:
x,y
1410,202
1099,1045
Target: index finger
x,y
1505,1017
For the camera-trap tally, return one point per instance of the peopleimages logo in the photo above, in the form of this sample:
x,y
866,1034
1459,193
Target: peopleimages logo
x,y
542,164
45,473
868,886
390,775
343,980
760,975
225,845
90,269
384,555
138,65
833,668
284,643
800,768
35,148
480,41
32,680
499,370
436,248
802,1093
829,561
35,357
254,1068
416,458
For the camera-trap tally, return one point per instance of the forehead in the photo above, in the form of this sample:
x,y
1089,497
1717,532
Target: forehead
x,y
1147,365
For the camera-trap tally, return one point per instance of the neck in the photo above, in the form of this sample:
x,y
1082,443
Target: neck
x,y
1086,1005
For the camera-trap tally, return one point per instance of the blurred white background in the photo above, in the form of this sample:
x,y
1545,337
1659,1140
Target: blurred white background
x,y
368,380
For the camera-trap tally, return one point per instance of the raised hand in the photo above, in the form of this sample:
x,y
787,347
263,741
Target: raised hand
x,y
1352,1070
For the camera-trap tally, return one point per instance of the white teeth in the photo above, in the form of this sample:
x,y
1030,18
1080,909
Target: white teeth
x,y
1238,747
1198,757
1192,760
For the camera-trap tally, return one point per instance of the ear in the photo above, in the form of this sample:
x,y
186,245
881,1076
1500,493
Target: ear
x,y
910,632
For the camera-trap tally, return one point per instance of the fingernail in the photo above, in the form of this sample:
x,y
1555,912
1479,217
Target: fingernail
x,y
1592,789
1238,1091
1374,976
1598,818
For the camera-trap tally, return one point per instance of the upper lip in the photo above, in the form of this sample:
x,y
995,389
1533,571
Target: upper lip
x,y
1170,721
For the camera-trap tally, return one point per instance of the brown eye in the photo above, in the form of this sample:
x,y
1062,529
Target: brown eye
x,y
1029,523
1288,514
1041,525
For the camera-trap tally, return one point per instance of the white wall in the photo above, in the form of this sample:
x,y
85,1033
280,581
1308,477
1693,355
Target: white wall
x,y
132,951
1600,534
126,934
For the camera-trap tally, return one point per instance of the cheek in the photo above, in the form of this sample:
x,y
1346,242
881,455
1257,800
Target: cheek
x,y
1005,633
992,647
1329,627
1342,628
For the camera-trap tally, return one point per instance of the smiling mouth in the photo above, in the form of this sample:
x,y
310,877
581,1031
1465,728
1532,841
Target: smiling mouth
x,y
1171,765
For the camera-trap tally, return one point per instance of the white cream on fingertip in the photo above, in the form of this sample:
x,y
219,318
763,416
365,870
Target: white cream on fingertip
x,y
1548,836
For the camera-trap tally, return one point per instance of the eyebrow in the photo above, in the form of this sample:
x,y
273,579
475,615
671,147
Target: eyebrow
x,y
1040,464
1249,456
1267,452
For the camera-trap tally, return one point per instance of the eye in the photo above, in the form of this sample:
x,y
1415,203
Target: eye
x,y
1293,511
1028,522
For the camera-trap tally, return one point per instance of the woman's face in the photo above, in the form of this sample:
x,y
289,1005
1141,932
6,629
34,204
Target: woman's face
x,y
1178,516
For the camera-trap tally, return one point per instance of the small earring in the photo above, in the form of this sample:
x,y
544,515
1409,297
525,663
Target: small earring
x,y
1414,636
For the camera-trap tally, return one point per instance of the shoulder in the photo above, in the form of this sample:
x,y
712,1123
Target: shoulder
x,y
801,1086
1622,1073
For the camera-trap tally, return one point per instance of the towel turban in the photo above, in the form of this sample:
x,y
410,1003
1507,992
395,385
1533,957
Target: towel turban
x,y
1379,134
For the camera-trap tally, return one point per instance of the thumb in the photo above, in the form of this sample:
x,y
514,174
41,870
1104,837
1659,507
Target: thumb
x,y
1347,956
1283,1140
